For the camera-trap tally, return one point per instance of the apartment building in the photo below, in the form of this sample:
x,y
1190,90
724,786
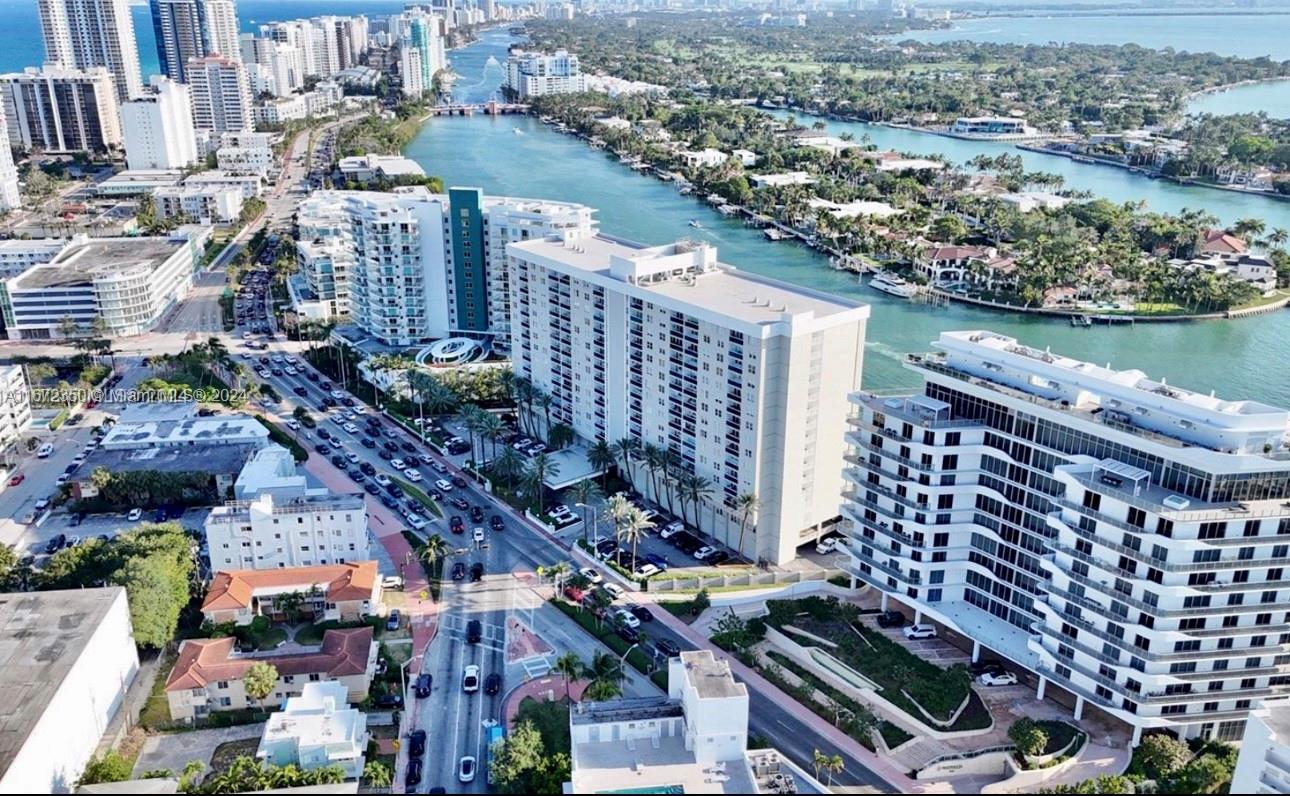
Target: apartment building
x,y
246,153
10,198
315,730
279,520
83,34
1264,764
60,110
203,204
412,266
1122,537
221,94
538,74
188,29
340,592
744,378
157,128
15,406
208,674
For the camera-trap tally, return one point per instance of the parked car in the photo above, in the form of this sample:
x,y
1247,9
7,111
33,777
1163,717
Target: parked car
x,y
423,686
642,613
919,631
891,619
667,647
626,618
671,529
590,574
413,776
417,743
613,590
17,479
704,552
997,678
134,516
828,545
657,560
392,623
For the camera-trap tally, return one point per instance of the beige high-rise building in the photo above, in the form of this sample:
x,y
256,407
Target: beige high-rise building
x,y
221,95
81,34
56,109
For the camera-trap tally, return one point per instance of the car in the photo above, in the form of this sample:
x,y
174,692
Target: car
x,y
459,571
76,520
368,468
383,479
73,540
300,390
466,769
492,683
439,468
474,631
590,574
324,433
914,632
613,590
417,743
395,490
134,516
497,523
456,524
384,454
416,522
476,571
645,569
667,647
412,475
606,547
658,561
388,702
56,544
159,515
477,535
997,678
986,665
718,558
443,485
368,442
371,488
339,461
413,776
825,546
470,679
392,447
458,481
459,503
671,529
350,428
477,513
392,623
423,685
704,552
625,617
389,502
629,634
399,464
409,447
44,451
891,619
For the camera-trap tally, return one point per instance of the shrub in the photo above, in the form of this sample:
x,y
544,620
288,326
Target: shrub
x,y
1027,735
1161,755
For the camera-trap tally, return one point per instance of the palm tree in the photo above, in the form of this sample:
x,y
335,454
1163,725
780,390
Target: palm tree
x,y
634,526
627,449
433,551
541,467
569,666
601,457
653,456
833,764
746,504
377,775
602,690
490,428
508,465
557,572
584,492
469,417
260,680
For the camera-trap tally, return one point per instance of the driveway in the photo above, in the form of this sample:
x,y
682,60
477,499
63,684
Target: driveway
x,y
174,750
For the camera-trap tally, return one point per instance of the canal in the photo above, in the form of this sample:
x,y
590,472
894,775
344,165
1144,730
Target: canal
x,y
517,155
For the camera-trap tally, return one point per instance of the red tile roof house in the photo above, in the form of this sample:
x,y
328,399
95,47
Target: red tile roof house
x,y
950,263
346,592
207,677
1216,241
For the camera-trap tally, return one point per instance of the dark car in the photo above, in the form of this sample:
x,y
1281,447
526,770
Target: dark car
x,y
456,525
389,502
340,461
159,515
642,613
413,777
492,683
476,514
76,520
391,446
327,387
476,571
497,523
56,544
408,446
718,558
385,455
299,390
459,503
347,401
458,448
984,666
389,702
891,619
417,743
423,685
474,631
606,546
395,490
311,375
328,402
459,482
323,449
356,476
630,635
458,571
433,494
412,460
667,647
368,442
324,434
368,468
371,488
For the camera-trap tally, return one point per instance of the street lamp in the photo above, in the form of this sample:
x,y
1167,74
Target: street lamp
x,y
622,663
595,530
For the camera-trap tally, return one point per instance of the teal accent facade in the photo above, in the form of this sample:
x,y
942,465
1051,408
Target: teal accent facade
x,y
469,266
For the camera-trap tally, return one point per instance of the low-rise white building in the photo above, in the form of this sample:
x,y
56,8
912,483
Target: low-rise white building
x,y
1264,764
781,179
128,283
315,730
135,182
203,203
746,156
66,661
251,185
279,520
710,158
1027,201
372,167
19,254
245,160
538,74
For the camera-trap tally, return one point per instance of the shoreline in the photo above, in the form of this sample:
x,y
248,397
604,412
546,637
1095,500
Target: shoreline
x,y
1188,97
837,260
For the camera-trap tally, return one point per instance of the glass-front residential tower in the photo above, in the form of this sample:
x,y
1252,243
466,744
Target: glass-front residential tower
x,y
1121,537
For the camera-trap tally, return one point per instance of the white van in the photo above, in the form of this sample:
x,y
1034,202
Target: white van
x,y
45,451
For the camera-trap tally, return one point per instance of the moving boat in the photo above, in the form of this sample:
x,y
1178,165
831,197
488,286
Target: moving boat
x,y
694,222
890,283
1081,320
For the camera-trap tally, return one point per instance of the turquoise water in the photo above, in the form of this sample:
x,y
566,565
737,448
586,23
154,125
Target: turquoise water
x,y
1272,98
1242,35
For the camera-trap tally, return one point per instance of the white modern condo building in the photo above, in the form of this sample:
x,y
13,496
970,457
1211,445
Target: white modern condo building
x,y
412,266
538,74
1123,538
743,378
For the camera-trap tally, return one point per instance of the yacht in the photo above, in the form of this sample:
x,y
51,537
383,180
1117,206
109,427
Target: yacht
x,y
890,283
694,222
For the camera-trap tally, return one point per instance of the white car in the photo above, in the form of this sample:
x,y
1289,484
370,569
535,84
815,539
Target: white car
x,y
466,769
399,464
293,425
828,545
412,474
704,552
626,618
382,479
338,394
478,535
62,479
351,428
348,414
645,570
415,521
671,529
470,679
914,632
441,469
997,678
264,373
443,485
613,590
290,371
43,504
338,420
135,515
276,359
353,457
359,410
590,574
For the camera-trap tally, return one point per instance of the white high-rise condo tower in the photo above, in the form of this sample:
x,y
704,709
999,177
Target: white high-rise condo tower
x,y
158,127
1123,538
221,95
80,34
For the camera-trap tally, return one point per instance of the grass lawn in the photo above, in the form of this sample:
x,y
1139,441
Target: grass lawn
x,y
551,719
156,711
266,640
605,634
421,497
